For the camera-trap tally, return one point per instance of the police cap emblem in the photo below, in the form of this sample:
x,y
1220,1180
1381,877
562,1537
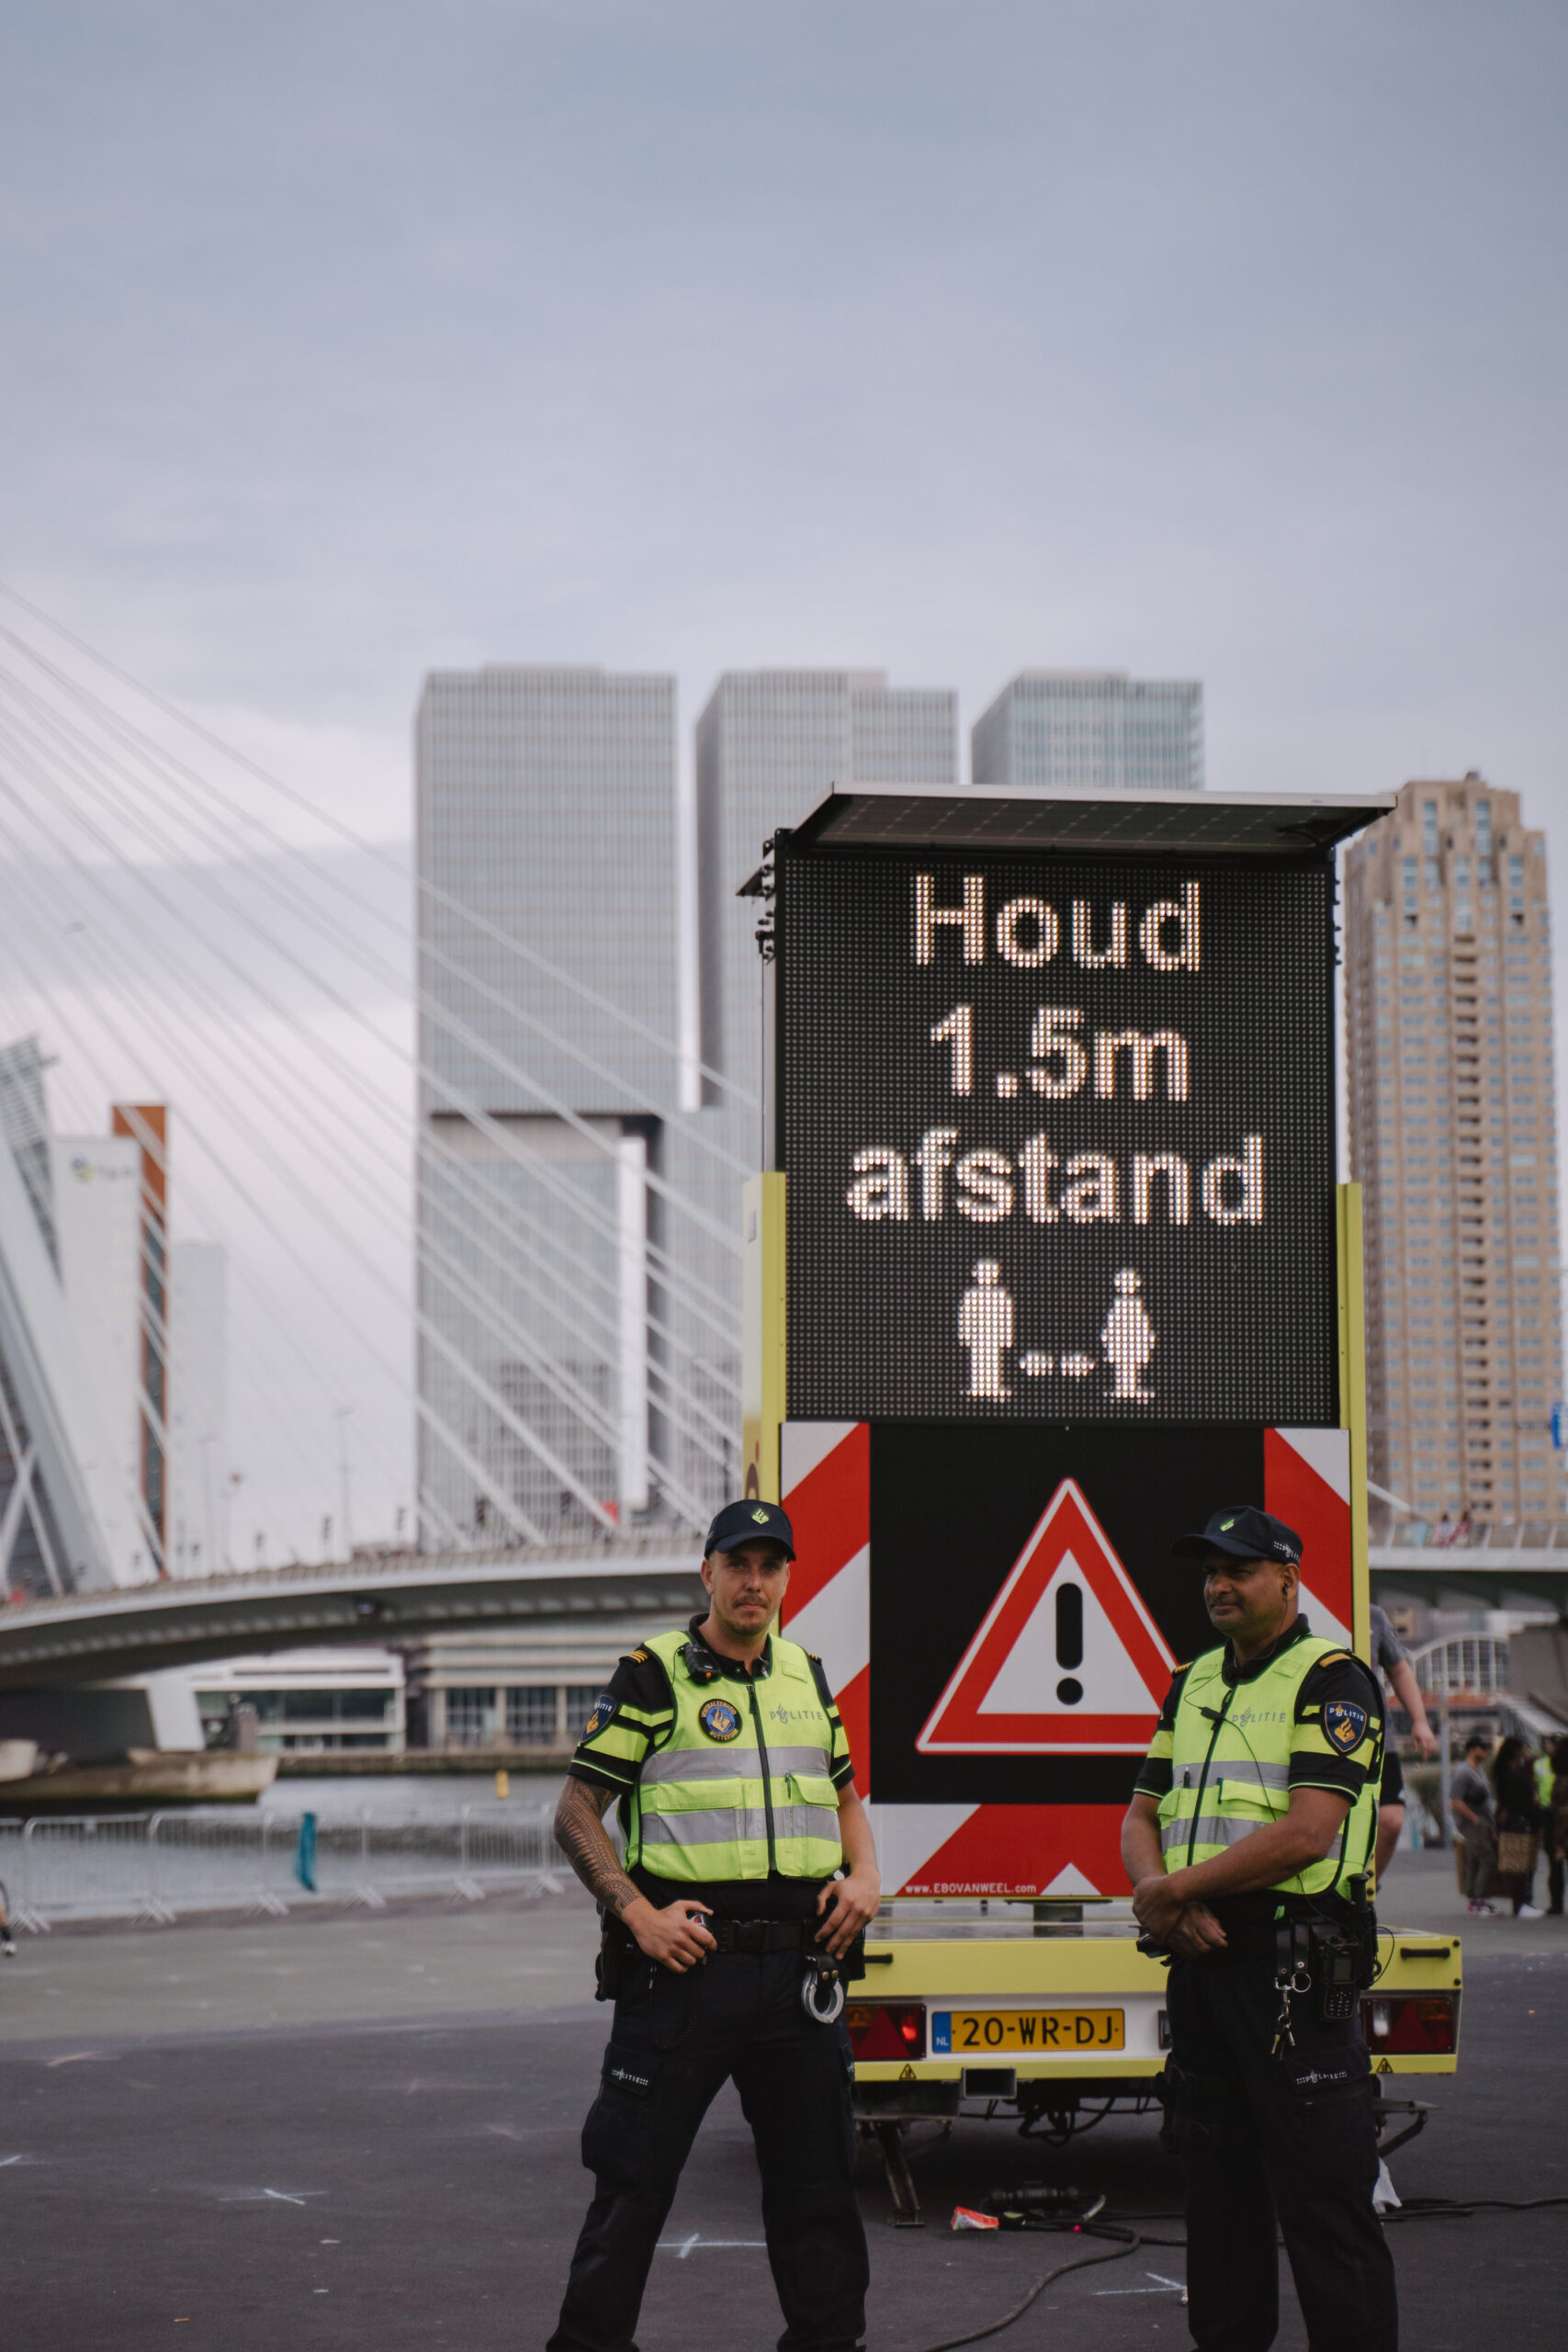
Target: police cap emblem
x,y
1345,1722
720,1720
760,1517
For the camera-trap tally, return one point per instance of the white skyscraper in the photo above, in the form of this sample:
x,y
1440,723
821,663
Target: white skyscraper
x,y
1092,731
97,1221
198,1418
546,815
770,743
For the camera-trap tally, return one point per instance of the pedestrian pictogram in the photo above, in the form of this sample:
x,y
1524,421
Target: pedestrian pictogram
x,y
1068,1661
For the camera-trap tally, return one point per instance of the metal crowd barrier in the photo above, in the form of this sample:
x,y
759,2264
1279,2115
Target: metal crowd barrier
x,y
161,1866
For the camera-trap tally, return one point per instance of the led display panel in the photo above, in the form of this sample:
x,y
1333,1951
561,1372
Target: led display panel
x,y
1059,1138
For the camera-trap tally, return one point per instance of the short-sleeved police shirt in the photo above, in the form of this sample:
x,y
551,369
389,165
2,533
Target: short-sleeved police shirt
x,y
632,1716
1316,1763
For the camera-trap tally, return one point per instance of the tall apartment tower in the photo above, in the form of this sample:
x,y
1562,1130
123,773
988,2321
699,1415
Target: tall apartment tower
x,y
770,743
544,817
1453,1134
1092,731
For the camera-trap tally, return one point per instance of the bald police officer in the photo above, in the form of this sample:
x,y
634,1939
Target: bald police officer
x,y
749,1875
1247,1842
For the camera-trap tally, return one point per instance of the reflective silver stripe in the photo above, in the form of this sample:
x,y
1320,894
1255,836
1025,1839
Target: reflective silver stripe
x,y
806,1821
801,1760
1267,1776
1213,1830
734,1828
722,1828
733,1763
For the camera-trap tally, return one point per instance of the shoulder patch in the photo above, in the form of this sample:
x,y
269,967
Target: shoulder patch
x,y
1346,1723
603,1717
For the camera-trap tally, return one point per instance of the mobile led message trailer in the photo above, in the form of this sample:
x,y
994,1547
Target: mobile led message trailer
x,y
1049,1258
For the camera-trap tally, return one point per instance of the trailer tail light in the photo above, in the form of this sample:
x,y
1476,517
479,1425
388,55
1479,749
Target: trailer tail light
x,y
1409,2025
887,2029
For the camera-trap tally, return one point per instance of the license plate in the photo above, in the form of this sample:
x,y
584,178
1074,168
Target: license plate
x,y
957,2033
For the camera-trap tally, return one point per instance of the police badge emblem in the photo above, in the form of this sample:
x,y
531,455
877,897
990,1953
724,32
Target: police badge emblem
x,y
1345,1722
720,1720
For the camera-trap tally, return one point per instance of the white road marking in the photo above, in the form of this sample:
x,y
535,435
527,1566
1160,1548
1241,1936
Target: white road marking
x,y
1165,2287
684,2246
282,2196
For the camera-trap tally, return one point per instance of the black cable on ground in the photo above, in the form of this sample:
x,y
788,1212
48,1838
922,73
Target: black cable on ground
x,y
1084,2262
1452,2209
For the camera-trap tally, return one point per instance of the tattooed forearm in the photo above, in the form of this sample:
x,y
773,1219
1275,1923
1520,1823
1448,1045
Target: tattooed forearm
x,y
583,1839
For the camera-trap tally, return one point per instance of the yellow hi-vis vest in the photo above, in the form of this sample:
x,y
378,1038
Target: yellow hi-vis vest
x,y
1230,1763
740,1785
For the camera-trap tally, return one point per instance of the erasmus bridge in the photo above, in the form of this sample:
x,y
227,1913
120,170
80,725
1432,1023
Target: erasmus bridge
x,y
532,1348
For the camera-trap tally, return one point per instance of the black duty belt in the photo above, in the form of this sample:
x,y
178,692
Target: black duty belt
x,y
758,1938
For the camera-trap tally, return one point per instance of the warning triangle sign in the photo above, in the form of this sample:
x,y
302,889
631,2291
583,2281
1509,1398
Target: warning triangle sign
x,y
1069,1661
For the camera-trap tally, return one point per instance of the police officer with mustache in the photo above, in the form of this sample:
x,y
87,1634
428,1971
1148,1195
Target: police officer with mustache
x,y
1248,1842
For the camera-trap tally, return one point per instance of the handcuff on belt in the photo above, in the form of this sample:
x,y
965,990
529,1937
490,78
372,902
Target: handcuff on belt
x,y
823,1978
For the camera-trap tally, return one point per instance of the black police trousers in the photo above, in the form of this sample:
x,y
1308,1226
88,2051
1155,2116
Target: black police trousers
x,y
1291,2137
674,2042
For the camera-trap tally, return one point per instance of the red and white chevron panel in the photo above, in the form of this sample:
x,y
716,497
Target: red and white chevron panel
x,y
1306,1482
826,1480
972,1850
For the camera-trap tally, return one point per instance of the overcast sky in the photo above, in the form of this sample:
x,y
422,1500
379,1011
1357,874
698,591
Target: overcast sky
x,y
1216,340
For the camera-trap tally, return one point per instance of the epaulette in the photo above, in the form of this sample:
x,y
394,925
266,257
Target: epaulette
x,y
637,1658
1333,1657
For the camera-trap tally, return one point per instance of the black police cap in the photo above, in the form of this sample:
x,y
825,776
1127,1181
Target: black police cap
x,y
749,1522
1245,1533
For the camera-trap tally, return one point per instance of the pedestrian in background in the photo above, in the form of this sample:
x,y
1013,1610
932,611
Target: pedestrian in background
x,y
1392,1663
1475,1810
1518,1823
1557,1829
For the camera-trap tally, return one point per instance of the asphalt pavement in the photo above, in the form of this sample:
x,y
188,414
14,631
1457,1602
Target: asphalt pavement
x,y
274,2135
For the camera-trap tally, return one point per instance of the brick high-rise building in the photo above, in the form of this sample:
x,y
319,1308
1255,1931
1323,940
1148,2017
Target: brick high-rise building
x,y
1453,1134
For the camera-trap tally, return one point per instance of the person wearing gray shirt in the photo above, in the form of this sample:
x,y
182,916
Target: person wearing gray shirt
x,y
1399,1677
1474,1809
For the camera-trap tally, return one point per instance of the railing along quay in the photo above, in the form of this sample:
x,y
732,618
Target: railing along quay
x,y
159,1867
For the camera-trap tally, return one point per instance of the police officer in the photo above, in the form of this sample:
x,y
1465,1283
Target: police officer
x,y
749,1875
1247,1841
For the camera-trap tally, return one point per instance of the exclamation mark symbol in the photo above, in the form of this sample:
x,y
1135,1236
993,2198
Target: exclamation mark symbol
x,y
1069,1640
